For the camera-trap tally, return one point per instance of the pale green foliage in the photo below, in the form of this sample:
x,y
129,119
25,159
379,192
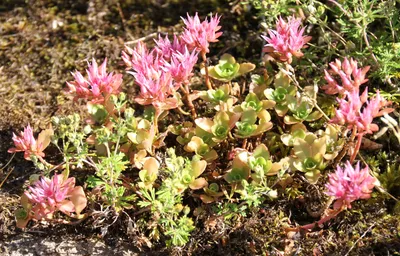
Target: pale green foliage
x,y
253,123
108,173
301,107
68,129
166,202
240,169
309,156
228,69
283,89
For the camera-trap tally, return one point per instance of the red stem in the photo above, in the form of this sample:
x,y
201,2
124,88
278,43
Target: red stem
x,y
203,55
190,103
357,147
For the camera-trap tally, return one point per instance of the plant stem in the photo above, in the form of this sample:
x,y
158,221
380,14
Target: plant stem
x,y
155,121
357,147
208,83
190,103
331,215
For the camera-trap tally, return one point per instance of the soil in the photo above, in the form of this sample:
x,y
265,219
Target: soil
x,y
41,42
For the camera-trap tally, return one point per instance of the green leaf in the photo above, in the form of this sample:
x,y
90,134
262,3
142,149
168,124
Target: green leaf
x,y
93,182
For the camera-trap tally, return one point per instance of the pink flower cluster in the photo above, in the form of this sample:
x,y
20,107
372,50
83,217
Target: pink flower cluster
x,y
353,113
287,40
198,35
352,76
27,143
47,196
166,48
99,85
161,71
348,184
355,110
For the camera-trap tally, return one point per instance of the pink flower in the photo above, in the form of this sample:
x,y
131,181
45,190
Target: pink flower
x,y
287,40
47,196
139,57
356,110
27,143
181,66
197,35
349,109
166,48
351,76
99,85
160,72
372,110
155,90
156,85
349,184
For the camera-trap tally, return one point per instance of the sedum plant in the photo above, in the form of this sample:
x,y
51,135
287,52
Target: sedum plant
x,y
283,89
218,96
32,148
287,40
297,131
252,123
240,169
345,186
252,102
301,108
149,173
200,148
255,119
190,177
211,194
236,155
47,196
261,164
349,184
309,156
355,111
228,69
334,143
219,127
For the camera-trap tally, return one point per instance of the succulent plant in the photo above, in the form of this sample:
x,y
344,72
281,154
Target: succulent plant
x,y
149,172
191,177
248,127
309,156
220,126
334,144
214,97
228,69
212,193
298,130
200,148
26,142
252,102
301,109
240,169
261,164
143,134
279,95
47,196
349,184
